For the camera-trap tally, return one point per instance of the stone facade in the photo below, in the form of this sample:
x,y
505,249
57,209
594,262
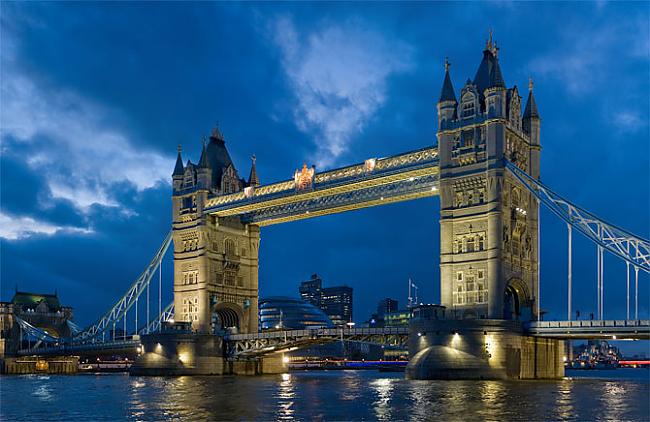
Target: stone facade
x,y
481,349
215,258
489,223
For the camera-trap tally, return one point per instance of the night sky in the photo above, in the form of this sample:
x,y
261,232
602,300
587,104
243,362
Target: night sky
x,y
95,97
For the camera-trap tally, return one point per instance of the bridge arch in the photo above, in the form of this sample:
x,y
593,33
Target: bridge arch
x,y
226,316
516,300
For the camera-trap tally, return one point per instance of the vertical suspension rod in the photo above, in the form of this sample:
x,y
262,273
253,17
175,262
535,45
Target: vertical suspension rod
x,y
569,275
627,276
636,292
148,320
159,290
539,217
598,278
602,283
136,315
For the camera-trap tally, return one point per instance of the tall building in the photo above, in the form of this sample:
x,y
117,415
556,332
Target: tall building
x,y
488,221
311,290
385,306
336,302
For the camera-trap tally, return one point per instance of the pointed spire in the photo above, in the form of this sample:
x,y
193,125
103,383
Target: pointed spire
x,y
216,133
531,105
496,77
447,93
488,42
203,161
253,180
178,169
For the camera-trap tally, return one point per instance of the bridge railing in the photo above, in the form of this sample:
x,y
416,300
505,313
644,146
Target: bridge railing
x,y
328,179
319,333
591,323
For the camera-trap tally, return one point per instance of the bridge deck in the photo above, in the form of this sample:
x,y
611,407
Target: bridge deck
x,y
592,329
376,182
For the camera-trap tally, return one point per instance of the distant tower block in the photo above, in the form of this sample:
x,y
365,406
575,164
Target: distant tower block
x,y
215,259
488,229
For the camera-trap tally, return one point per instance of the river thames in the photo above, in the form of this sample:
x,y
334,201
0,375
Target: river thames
x,y
622,394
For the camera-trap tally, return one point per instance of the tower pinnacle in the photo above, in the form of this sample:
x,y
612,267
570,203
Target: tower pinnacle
x,y
447,93
253,180
178,168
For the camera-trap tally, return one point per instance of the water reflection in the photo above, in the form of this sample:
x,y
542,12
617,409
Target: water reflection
x,y
492,396
285,397
318,395
564,400
384,390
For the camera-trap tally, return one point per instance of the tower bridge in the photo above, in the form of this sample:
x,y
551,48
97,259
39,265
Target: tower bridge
x,y
486,171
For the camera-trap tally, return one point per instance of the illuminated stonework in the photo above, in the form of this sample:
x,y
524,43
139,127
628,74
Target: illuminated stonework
x,y
215,258
488,226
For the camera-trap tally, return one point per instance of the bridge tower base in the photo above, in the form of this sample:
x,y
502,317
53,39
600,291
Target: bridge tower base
x,y
481,349
186,353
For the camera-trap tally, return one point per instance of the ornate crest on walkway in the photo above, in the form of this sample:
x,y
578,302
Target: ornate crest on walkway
x,y
303,179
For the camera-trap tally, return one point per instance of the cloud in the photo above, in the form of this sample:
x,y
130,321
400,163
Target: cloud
x,y
15,228
590,56
72,144
338,74
628,121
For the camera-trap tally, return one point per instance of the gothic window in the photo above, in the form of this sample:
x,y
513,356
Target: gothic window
x,y
468,137
229,278
470,244
459,276
464,244
468,108
481,242
480,274
229,247
481,195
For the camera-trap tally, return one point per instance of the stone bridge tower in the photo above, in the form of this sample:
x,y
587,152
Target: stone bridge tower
x,y
215,259
489,223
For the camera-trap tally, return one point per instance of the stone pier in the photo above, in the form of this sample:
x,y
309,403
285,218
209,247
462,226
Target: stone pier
x,y
178,353
481,349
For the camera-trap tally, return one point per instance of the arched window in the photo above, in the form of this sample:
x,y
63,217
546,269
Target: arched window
x,y
470,244
481,242
229,247
468,107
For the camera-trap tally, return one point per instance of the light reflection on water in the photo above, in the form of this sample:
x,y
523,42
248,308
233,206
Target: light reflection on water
x,y
318,395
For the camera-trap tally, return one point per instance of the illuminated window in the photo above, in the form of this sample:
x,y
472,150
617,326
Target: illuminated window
x,y
468,109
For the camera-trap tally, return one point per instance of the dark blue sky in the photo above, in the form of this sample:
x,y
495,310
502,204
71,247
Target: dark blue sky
x,y
96,96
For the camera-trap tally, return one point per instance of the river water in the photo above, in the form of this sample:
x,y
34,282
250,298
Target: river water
x,y
621,394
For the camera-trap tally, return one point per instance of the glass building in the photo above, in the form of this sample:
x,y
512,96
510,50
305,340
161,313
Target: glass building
x,y
336,302
285,313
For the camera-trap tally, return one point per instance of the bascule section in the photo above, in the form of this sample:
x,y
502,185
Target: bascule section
x,y
215,258
489,222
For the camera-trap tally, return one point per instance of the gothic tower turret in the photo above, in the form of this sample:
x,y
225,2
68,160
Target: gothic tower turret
x,y
531,123
488,226
447,102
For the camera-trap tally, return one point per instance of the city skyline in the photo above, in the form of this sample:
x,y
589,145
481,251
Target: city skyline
x,y
64,202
